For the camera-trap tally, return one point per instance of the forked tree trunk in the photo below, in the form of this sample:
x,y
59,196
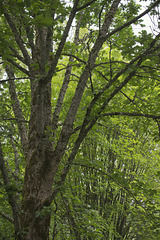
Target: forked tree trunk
x,y
42,161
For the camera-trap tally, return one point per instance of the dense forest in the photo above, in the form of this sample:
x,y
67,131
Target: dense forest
x,y
79,120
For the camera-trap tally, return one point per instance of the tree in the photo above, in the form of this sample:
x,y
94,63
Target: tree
x,y
37,45
112,189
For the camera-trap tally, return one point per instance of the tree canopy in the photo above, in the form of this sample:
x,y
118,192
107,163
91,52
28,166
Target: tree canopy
x,y
80,120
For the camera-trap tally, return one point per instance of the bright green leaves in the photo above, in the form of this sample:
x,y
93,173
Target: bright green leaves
x,y
145,38
130,9
116,179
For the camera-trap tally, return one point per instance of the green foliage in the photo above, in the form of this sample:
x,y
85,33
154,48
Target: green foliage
x,y
112,188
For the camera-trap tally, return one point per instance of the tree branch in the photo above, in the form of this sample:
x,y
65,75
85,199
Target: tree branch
x,y
134,114
17,110
63,40
15,119
73,56
65,82
84,130
18,66
67,129
133,20
15,54
6,216
85,5
18,39
122,84
7,186
10,79
68,123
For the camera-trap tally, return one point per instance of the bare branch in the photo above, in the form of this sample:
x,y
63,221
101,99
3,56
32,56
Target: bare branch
x,y
11,196
130,114
66,81
18,66
104,63
108,19
10,79
73,56
18,39
16,54
63,40
85,5
6,216
17,110
14,119
133,20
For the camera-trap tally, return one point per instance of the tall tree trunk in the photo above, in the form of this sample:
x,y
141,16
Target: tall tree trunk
x,y
40,166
